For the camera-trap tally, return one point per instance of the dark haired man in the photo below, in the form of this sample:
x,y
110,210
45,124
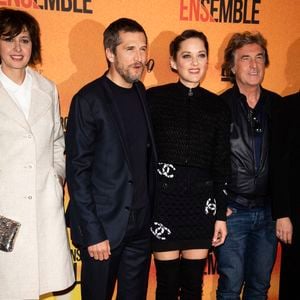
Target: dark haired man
x,y
246,259
110,150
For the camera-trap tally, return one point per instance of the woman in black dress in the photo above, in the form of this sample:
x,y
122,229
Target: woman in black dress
x,y
191,128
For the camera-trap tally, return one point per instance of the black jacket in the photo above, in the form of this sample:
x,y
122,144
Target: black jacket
x,y
286,161
249,187
99,173
191,129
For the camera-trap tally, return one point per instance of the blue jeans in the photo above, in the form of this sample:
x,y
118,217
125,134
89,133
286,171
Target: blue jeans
x,y
247,257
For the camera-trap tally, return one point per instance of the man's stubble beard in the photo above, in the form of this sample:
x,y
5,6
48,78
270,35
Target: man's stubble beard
x,y
125,73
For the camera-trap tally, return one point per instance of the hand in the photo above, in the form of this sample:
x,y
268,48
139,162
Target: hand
x,y
284,230
228,212
220,233
100,251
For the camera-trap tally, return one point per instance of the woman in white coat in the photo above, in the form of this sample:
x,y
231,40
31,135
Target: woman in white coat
x,y
32,166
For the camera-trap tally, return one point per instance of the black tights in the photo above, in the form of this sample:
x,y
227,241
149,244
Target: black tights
x,y
179,277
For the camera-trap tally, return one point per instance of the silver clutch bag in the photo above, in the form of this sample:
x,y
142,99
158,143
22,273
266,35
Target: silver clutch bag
x,y
8,232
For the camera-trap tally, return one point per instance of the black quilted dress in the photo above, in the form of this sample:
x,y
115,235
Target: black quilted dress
x,y
191,130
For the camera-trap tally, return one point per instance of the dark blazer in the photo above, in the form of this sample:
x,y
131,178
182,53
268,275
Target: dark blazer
x,y
99,175
286,200
286,161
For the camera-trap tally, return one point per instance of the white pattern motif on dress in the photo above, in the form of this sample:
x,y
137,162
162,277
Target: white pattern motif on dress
x,y
211,206
224,190
160,231
166,169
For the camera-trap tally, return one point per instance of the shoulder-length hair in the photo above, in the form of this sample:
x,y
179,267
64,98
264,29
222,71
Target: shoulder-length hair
x,y
13,22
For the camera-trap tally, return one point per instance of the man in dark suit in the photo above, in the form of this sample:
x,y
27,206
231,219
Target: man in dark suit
x,y
286,201
110,153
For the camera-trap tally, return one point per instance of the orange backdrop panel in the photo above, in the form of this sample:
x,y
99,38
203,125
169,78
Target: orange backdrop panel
x,y
73,55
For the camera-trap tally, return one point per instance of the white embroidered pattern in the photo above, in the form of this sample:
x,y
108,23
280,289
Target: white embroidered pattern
x,y
166,169
211,206
160,231
224,190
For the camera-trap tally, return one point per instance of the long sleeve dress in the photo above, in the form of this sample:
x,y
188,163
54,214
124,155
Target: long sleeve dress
x,y
191,130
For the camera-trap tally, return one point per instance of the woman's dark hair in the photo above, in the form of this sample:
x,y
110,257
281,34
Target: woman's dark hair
x,y
187,34
237,41
13,22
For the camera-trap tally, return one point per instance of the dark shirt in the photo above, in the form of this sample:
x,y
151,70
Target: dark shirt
x,y
132,115
257,119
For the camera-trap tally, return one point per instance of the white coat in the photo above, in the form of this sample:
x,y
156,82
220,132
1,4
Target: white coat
x,y
31,159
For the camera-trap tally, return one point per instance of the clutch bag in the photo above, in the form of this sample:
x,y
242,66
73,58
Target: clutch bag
x,y
8,232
